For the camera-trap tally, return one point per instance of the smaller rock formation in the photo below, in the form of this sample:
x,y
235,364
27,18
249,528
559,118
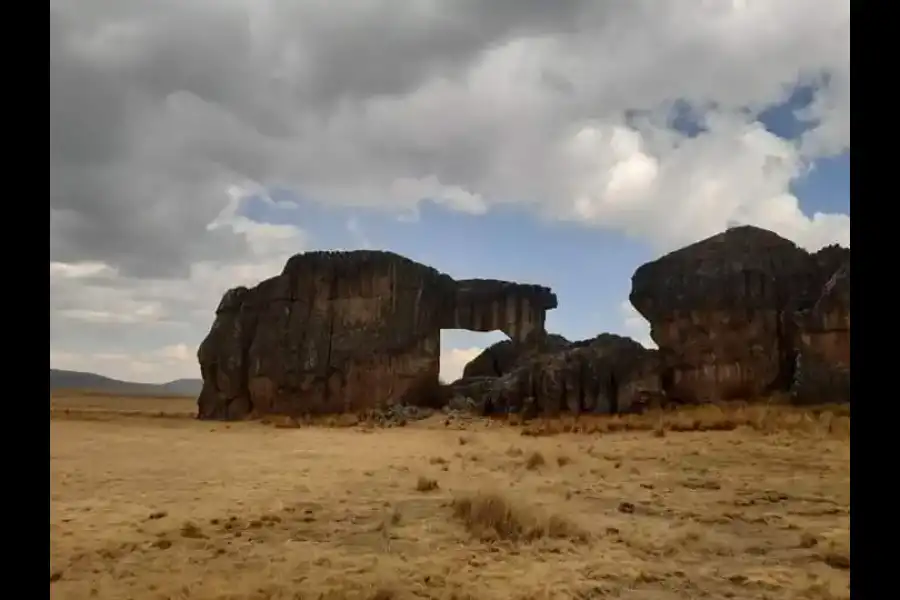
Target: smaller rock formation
x,y
823,345
500,358
605,375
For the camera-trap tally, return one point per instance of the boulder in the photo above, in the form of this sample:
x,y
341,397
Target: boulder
x,y
721,311
347,332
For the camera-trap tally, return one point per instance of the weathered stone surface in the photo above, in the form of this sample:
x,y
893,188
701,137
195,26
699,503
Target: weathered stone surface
x,y
498,359
721,311
738,315
348,331
823,344
223,360
603,375
477,388
518,310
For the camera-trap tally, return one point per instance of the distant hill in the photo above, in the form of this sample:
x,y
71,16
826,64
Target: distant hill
x,y
77,380
184,387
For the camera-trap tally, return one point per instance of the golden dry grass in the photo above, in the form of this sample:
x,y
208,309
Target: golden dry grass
x,y
640,507
102,406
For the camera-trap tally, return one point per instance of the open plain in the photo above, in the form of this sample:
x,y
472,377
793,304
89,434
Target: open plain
x,y
743,501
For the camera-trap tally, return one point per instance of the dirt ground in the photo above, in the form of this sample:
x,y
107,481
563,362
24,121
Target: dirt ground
x,y
144,507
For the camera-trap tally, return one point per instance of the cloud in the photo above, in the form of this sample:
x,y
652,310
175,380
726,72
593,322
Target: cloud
x,y
105,319
353,104
635,325
158,134
160,365
356,231
454,360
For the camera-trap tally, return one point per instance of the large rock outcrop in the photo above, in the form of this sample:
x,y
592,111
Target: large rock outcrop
x,y
348,331
724,312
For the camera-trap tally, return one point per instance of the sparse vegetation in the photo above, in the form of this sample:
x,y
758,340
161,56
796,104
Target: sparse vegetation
x,y
761,417
191,530
143,507
426,484
535,460
490,515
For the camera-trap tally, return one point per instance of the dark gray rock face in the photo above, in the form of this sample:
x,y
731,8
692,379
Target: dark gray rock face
x,y
606,374
498,359
823,344
722,311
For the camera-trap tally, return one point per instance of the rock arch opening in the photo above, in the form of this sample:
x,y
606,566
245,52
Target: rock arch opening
x,y
465,351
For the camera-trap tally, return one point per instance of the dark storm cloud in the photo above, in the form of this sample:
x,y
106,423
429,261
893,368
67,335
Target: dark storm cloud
x,y
154,108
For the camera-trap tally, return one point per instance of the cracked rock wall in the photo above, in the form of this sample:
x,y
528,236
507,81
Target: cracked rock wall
x,y
346,331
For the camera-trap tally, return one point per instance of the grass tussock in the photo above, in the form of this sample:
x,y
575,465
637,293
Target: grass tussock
x,y
535,460
491,515
825,421
191,530
426,484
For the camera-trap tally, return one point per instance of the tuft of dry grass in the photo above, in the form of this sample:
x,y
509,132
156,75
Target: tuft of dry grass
x,y
191,530
535,460
426,484
837,560
491,515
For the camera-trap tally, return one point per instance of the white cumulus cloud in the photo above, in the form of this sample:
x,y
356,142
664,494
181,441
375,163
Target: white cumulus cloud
x,y
454,360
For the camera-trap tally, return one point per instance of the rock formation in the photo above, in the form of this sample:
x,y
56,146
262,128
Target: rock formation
x,y
500,358
348,331
724,313
822,342
736,316
604,375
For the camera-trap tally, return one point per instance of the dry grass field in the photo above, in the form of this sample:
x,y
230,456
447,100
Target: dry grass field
x,y
743,502
98,405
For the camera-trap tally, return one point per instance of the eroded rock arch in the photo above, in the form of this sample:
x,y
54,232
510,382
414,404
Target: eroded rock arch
x,y
346,331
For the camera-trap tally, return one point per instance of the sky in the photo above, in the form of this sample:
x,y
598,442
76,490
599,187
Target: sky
x,y
196,144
